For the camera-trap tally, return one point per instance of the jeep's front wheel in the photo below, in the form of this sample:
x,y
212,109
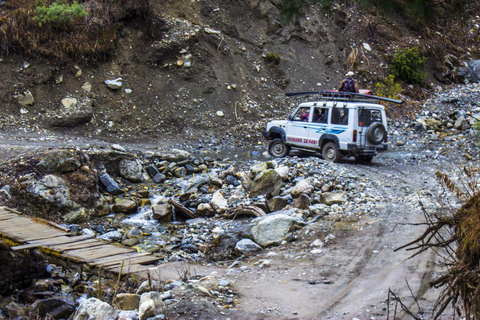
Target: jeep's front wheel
x,y
278,149
330,152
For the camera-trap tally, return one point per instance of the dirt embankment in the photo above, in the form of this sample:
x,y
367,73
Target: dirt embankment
x,y
192,70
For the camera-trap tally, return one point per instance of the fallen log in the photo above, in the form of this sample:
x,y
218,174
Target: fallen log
x,y
182,210
246,211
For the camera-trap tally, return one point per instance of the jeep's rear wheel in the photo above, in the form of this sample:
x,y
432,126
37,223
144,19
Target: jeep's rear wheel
x,y
330,152
278,149
376,133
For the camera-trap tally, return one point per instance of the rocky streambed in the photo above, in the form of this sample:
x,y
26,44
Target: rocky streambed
x,y
227,224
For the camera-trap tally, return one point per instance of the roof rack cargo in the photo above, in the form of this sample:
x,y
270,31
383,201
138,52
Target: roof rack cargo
x,y
344,96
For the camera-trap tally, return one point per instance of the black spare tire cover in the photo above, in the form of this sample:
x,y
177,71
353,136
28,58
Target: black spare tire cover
x,y
376,133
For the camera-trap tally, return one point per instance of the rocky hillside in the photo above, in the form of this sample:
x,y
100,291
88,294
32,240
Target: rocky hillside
x,y
191,69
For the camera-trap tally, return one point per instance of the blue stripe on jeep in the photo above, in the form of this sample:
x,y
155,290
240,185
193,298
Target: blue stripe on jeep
x,y
334,130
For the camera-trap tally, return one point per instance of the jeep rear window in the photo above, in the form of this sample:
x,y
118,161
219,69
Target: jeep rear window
x,y
368,116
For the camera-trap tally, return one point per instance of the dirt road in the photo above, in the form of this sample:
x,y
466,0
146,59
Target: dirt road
x,y
352,275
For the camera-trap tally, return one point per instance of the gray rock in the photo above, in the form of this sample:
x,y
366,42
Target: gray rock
x,y
470,71
111,236
59,161
276,203
176,155
245,246
73,112
302,202
25,99
57,308
151,304
330,198
180,172
460,123
147,286
266,182
133,170
128,315
304,186
124,206
273,229
219,203
114,84
162,212
205,210
127,301
95,309
51,190
110,184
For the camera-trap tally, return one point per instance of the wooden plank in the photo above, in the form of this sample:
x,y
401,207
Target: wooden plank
x,y
78,245
38,237
53,241
89,254
134,269
118,257
131,261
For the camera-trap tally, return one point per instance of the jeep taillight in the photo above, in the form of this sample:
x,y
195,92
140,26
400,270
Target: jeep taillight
x,y
354,136
386,137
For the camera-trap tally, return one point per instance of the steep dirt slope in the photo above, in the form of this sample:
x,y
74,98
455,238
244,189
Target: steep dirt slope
x,y
199,68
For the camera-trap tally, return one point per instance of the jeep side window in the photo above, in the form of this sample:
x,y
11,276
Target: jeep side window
x,y
320,115
302,114
368,116
339,116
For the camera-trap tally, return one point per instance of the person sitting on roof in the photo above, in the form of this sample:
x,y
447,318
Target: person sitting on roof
x,y
349,84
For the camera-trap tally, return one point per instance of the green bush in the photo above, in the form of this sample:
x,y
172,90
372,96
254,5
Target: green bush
x,y
408,66
389,88
58,14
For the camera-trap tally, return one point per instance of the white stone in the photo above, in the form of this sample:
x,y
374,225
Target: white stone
x,y
220,114
114,84
68,103
367,47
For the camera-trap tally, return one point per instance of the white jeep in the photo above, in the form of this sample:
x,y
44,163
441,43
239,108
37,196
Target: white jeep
x,y
339,124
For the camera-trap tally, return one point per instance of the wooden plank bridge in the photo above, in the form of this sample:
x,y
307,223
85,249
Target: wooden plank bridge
x,y
53,239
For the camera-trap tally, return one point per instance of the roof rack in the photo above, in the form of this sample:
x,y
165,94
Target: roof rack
x,y
344,96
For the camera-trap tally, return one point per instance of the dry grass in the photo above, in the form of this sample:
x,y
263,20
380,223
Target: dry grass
x,y
456,238
91,38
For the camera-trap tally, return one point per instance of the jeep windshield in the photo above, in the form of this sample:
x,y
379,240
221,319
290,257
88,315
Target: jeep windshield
x,y
368,116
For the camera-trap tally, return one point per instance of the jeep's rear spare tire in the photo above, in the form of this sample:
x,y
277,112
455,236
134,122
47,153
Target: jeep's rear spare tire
x,y
376,133
278,149
330,152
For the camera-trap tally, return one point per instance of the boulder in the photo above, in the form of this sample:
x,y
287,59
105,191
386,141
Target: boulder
x,y
276,203
219,203
205,210
51,190
305,186
72,112
162,212
330,198
257,168
59,161
470,71
132,170
148,286
124,206
110,184
151,304
302,202
283,172
176,155
95,309
127,301
57,308
273,229
266,182
246,246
